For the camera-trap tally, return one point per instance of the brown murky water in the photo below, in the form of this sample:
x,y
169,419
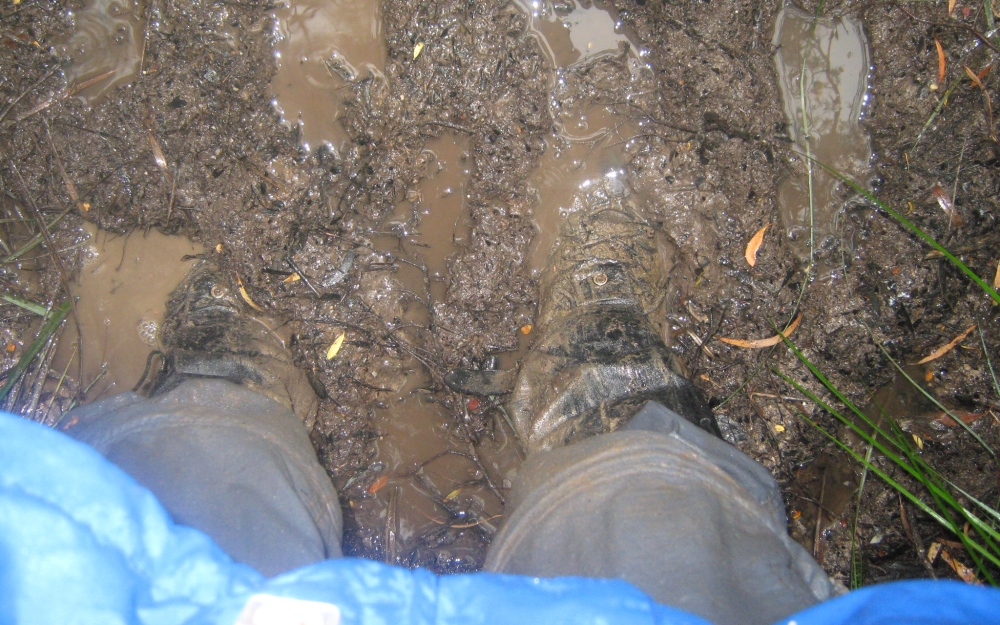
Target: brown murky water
x,y
122,289
572,32
824,70
323,45
106,42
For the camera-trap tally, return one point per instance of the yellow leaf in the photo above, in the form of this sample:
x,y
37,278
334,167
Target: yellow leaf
x,y
335,347
951,6
246,296
944,349
417,49
779,428
754,245
996,277
453,494
919,441
293,278
768,342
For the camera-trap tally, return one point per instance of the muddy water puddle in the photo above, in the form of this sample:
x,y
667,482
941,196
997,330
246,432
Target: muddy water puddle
x,y
105,45
824,72
323,45
572,32
122,291
440,504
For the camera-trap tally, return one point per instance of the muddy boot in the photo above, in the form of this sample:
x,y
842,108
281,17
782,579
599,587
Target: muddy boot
x,y
208,333
598,357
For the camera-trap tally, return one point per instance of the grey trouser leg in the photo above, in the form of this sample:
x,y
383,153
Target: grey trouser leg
x,y
668,507
227,461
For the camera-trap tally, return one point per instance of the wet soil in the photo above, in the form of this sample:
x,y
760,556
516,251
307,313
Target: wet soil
x,y
408,203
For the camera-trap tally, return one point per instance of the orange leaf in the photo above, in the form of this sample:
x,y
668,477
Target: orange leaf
x,y
941,351
951,6
755,242
973,77
378,484
967,417
942,63
968,575
768,342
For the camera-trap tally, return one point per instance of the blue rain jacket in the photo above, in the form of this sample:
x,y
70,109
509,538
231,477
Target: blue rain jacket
x,y
81,542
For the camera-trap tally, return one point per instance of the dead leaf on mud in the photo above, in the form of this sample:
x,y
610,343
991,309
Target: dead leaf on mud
x,y
768,342
967,417
378,484
334,349
944,349
996,277
942,63
292,278
968,575
947,206
246,296
417,49
754,245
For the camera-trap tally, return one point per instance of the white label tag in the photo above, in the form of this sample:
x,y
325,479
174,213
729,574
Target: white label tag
x,y
271,610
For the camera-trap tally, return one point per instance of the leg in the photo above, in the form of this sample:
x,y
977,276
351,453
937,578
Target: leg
x,y
222,441
668,507
616,484
227,461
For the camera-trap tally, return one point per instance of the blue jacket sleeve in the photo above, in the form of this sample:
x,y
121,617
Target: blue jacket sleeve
x,y
81,542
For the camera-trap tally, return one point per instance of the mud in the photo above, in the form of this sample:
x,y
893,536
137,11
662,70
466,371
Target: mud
x,y
412,170
120,295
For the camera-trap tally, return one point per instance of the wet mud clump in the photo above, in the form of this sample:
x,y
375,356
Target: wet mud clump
x,y
394,230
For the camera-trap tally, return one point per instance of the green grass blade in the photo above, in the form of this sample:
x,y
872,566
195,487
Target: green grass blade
x,y
48,328
937,403
989,290
31,307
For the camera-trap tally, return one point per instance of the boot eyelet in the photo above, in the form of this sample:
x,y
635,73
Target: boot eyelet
x,y
218,291
600,279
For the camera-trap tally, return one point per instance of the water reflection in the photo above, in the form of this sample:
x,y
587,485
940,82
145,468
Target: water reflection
x,y
824,69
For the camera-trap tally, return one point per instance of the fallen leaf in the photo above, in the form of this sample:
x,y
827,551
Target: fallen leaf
x,y
919,441
768,342
218,248
796,514
292,278
968,575
779,428
933,551
942,63
246,296
951,6
334,349
378,484
967,417
754,245
473,404
974,78
947,206
996,277
941,351
526,328
417,49
452,494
